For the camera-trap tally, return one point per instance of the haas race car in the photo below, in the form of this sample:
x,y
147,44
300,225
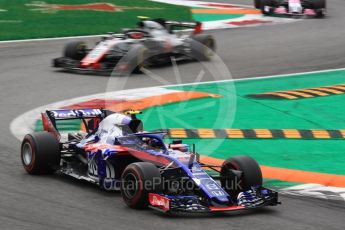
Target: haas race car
x,y
115,153
309,8
153,42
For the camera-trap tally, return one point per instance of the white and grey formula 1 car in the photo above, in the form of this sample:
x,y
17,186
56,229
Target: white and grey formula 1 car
x,y
152,42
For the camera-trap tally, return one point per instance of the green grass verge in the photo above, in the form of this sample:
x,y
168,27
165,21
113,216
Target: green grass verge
x,y
326,156
20,21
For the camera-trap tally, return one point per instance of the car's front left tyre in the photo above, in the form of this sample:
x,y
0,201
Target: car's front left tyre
x,y
137,181
240,173
40,153
76,50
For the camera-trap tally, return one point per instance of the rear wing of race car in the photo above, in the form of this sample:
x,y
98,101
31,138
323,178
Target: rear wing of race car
x,y
94,116
170,25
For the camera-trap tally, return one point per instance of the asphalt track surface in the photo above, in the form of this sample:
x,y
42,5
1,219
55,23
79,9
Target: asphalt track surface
x,y
52,202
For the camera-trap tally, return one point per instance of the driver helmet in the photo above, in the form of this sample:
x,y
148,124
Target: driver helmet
x,y
112,125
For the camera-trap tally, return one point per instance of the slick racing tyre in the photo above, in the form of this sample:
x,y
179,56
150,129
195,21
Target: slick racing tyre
x,y
239,174
257,4
202,47
75,50
138,180
40,153
320,7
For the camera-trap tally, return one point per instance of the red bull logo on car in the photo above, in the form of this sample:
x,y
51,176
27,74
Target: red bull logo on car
x,y
159,201
75,113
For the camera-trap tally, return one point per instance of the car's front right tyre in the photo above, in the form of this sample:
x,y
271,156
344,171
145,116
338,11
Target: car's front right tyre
x,y
239,174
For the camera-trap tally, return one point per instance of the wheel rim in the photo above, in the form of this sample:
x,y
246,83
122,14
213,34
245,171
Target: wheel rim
x,y
81,48
27,154
130,185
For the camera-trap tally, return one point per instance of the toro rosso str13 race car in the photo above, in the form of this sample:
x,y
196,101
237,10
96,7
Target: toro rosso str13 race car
x,y
115,153
153,42
310,8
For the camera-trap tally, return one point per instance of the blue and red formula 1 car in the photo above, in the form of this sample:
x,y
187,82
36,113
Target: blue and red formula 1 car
x,y
309,8
115,153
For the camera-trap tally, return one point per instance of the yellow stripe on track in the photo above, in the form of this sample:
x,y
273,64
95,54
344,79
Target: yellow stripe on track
x,y
178,133
321,134
329,90
341,87
299,94
234,133
284,95
291,133
314,92
263,133
206,133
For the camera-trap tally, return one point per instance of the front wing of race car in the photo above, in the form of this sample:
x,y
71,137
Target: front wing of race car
x,y
293,10
256,197
106,68
71,65
282,11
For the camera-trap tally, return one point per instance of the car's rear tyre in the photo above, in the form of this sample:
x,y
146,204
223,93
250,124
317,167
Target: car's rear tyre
x,y
257,4
40,153
202,47
320,8
240,173
138,180
75,50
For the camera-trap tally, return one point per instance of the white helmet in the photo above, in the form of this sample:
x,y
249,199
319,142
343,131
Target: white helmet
x,y
151,25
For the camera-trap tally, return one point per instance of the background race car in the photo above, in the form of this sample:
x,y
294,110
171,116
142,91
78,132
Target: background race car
x,y
312,8
153,42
